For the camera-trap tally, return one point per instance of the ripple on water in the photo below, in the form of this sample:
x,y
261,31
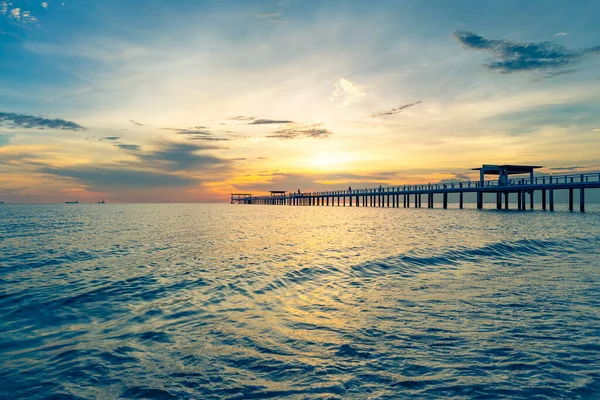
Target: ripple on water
x,y
211,301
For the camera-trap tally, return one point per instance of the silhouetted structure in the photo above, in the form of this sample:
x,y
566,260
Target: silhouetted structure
x,y
391,196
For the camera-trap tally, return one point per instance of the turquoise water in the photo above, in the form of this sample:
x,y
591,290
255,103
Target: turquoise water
x,y
240,302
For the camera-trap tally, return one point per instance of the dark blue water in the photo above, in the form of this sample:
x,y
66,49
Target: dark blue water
x,y
238,302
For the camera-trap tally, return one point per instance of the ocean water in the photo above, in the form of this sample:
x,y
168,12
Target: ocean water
x,y
252,302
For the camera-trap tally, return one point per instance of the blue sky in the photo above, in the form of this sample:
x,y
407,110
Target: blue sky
x,y
190,100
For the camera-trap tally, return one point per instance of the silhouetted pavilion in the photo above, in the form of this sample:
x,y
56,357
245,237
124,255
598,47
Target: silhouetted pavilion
x,y
503,171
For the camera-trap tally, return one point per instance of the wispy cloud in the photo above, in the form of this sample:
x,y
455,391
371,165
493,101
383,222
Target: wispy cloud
x,y
270,121
347,92
273,16
561,34
109,138
196,130
199,133
130,147
32,122
573,168
209,138
242,118
299,131
396,110
510,56
136,123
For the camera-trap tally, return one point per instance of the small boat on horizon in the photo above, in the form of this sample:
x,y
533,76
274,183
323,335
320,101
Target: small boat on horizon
x,y
72,202
101,201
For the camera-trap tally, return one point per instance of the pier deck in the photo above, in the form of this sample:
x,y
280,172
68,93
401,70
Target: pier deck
x,y
407,195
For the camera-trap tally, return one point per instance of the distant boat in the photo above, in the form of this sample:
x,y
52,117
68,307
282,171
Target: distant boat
x,y
101,201
1,202
72,202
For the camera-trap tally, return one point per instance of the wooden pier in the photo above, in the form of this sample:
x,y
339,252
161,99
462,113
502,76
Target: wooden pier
x,y
412,195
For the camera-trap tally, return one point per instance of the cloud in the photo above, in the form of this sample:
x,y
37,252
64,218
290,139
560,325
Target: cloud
x,y
457,177
573,168
174,156
109,177
347,92
242,118
272,16
109,138
11,191
16,13
293,182
198,133
268,15
299,131
510,56
210,138
136,123
131,147
45,4
269,121
197,130
561,34
170,164
32,122
396,110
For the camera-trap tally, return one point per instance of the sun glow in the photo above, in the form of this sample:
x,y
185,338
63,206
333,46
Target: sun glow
x,y
329,159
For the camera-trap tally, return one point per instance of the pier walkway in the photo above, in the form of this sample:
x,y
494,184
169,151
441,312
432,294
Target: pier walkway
x,y
406,195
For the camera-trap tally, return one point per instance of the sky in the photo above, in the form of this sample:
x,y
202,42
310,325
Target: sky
x,y
190,100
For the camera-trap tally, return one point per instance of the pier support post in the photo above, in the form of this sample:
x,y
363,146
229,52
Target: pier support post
x,y
571,199
544,199
581,200
498,201
519,206
523,200
416,201
479,200
531,199
404,195
460,200
445,200
551,195
350,200
419,200
388,200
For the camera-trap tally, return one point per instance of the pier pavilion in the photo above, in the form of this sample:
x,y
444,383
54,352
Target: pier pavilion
x,y
393,196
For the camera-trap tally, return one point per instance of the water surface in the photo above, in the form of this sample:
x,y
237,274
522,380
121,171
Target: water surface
x,y
237,302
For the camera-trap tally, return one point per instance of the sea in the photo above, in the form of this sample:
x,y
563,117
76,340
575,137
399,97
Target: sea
x,y
219,301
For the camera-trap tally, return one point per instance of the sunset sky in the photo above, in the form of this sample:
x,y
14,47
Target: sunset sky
x,y
181,101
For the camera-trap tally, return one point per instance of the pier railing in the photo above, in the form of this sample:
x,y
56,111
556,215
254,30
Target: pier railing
x,y
395,195
491,183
